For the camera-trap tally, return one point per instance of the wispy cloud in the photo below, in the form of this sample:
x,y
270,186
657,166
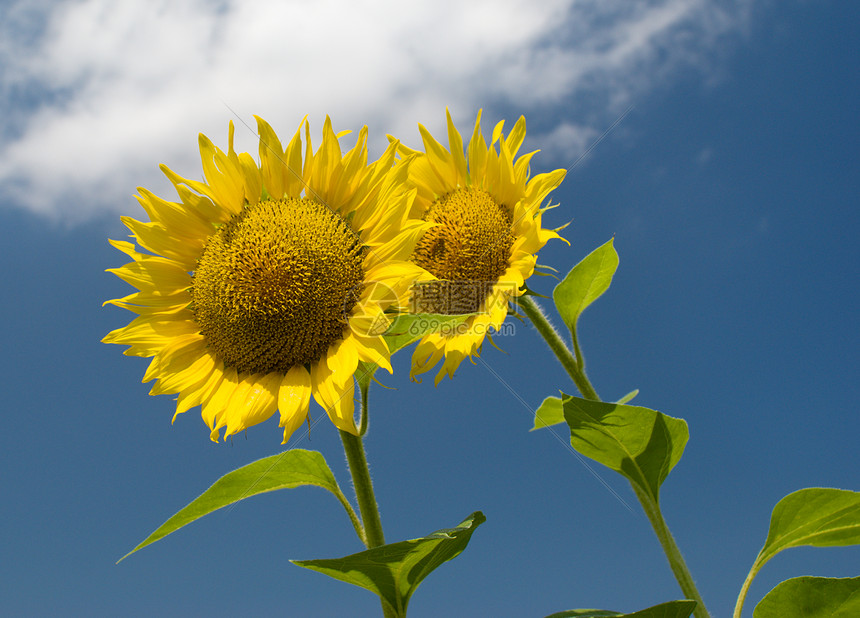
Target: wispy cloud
x,y
95,93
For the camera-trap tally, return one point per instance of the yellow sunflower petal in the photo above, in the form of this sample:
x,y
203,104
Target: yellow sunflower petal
x,y
497,132
477,155
427,353
148,335
152,304
373,350
518,134
215,408
276,167
458,160
200,204
160,277
323,182
253,178
186,374
521,168
223,176
540,186
335,394
177,356
439,159
175,216
343,358
454,355
254,403
208,379
157,239
294,396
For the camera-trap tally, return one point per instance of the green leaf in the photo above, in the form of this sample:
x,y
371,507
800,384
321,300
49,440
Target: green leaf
x,y
585,283
409,327
816,516
812,597
549,413
394,571
289,469
672,609
641,444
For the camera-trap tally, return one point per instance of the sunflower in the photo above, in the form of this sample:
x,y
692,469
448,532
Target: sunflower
x,y
487,229
266,284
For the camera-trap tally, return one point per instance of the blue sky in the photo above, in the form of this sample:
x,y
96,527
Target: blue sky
x,y
731,189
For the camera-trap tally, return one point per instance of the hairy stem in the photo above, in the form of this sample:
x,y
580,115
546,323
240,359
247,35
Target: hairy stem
x,y
575,367
353,446
673,553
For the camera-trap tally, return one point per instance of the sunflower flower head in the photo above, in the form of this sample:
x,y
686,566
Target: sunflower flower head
x,y
267,283
486,215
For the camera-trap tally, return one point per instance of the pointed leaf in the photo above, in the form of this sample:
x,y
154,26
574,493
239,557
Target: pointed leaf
x,y
812,597
549,413
394,571
585,283
672,609
815,516
641,444
289,469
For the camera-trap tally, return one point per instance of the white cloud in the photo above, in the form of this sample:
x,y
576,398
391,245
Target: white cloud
x,y
566,140
97,92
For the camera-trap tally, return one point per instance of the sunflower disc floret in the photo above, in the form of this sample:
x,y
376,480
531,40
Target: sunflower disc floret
x,y
275,285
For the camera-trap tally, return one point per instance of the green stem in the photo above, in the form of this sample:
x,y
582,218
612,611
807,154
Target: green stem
x,y
356,522
575,367
363,385
739,606
673,553
353,446
354,449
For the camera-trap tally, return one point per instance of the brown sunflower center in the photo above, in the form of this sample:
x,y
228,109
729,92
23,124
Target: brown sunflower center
x,y
275,285
468,250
